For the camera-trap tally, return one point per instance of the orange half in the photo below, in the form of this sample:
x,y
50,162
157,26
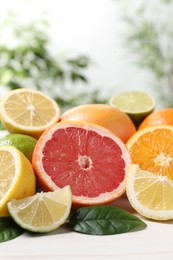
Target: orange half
x,y
152,149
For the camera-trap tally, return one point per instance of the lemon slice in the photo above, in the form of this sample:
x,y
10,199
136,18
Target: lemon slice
x,y
44,211
137,104
17,179
150,194
28,111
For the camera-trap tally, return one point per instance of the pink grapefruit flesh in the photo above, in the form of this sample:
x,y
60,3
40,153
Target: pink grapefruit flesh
x,y
89,158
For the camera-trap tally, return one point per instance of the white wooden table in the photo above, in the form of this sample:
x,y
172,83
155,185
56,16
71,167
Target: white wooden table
x,y
153,242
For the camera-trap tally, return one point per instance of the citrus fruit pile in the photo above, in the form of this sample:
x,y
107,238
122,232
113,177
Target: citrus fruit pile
x,y
26,114
149,183
89,155
78,158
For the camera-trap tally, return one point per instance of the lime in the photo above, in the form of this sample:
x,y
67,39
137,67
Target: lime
x,y
24,143
42,212
136,104
17,178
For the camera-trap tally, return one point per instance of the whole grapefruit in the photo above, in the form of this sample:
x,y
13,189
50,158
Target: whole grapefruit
x,y
104,115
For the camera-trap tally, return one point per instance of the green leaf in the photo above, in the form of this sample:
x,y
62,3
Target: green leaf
x,y
81,61
9,229
75,76
104,220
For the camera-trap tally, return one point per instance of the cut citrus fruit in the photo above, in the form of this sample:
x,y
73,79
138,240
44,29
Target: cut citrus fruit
x,y
42,212
104,115
28,111
151,148
17,179
150,194
89,158
23,143
159,117
137,104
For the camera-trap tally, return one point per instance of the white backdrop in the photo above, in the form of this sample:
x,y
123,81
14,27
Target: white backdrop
x,y
91,27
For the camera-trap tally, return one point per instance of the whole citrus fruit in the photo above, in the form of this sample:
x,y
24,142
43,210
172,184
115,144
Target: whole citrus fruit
x,y
23,143
87,157
159,117
104,115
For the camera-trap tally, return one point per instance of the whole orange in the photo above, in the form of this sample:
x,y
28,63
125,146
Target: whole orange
x,y
104,115
158,117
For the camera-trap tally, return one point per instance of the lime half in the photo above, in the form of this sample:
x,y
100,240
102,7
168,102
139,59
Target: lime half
x,y
136,104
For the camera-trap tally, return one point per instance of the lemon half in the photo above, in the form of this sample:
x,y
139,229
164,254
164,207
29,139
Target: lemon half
x,y
150,194
27,111
17,178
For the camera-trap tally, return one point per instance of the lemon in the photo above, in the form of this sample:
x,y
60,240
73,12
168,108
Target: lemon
x,y
17,179
44,211
27,111
150,194
24,143
136,104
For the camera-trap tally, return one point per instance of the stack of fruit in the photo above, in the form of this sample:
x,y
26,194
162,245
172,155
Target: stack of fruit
x,y
88,156
149,184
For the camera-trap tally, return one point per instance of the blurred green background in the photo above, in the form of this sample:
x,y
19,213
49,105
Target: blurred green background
x,y
30,63
144,33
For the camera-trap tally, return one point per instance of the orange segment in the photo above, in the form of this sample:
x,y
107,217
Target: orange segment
x,y
152,149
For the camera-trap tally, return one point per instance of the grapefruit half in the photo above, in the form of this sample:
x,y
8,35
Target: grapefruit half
x,y
89,158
